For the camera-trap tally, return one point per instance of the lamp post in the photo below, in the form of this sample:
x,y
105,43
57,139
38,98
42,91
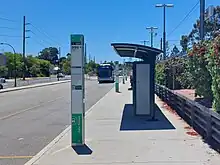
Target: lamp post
x,y
164,26
15,67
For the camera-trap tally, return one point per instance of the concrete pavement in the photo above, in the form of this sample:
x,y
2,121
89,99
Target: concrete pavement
x,y
115,136
31,118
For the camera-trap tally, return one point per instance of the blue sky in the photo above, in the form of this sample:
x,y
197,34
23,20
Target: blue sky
x,y
101,21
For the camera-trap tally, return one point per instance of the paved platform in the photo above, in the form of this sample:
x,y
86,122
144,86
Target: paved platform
x,y
115,136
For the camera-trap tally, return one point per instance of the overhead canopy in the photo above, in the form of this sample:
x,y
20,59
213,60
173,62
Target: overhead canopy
x,y
135,50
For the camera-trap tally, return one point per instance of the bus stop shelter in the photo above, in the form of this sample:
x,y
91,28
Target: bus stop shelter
x,y
143,75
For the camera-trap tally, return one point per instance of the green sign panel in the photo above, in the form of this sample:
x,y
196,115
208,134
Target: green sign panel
x,y
77,39
77,126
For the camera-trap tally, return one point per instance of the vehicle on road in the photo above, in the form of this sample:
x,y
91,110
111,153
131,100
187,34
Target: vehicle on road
x,y
60,75
2,80
106,73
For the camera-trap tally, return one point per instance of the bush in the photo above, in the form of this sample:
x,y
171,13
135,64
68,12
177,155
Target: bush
x,y
213,56
160,74
201,78
174,71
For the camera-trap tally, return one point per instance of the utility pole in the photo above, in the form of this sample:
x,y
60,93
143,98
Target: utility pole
x,y
24,46
59,55
152,33
202,18
89,58
161,44
94,59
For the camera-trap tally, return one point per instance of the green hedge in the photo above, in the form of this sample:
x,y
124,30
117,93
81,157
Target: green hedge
x,y
200,71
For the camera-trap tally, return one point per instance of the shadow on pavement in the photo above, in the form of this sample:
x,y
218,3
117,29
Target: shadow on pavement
x,y
131,122
105,82
82,150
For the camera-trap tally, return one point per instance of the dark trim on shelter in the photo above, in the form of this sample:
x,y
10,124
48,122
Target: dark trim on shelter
x,y
135,50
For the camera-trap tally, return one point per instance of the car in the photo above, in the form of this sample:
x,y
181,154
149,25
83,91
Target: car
x,y
2,80
1,86
60,75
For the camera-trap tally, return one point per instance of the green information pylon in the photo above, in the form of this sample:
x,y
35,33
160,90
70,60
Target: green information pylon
x,y
117,84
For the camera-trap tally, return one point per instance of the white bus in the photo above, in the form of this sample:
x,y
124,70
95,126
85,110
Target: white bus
x,y
106,73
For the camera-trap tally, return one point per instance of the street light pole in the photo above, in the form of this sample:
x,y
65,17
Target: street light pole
x,y
15,65
164,26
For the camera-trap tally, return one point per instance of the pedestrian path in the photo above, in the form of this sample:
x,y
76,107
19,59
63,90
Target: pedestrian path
x,y
115,137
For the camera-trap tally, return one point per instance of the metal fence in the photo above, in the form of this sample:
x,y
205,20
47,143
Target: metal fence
x,y
205,121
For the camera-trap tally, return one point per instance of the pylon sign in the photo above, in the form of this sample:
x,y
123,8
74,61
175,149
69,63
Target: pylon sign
x,y
77,90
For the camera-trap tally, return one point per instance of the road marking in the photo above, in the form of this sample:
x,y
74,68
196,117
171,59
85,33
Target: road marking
x,y
60,149
16,157
28,109
20,139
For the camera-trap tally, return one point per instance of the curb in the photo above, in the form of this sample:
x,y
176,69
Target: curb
x,y
62,134
33,86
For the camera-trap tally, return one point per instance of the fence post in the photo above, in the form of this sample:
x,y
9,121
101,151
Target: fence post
x,y
192,116
182,110
208,126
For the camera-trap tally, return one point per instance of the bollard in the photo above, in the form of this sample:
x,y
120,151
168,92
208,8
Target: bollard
x,y
126,78
123,79
117,84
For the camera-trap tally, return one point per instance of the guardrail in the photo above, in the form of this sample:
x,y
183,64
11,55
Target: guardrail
x,y
205,121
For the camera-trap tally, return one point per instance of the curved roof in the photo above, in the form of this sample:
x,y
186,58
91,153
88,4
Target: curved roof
x,y
135,50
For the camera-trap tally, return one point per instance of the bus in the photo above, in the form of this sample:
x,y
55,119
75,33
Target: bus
x,y
106,73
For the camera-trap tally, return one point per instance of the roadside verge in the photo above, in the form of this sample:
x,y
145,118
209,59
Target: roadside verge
x,y
32,86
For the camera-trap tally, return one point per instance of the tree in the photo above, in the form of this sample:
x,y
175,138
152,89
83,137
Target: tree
x,y
3,71
211,26
184,43
175,51
66,64
91,67
10,64
37,67
49,54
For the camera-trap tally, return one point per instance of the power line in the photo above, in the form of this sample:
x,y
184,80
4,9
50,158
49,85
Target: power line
x,y
6,19
38,42
187,15
45,34
41,39
9,28
3,35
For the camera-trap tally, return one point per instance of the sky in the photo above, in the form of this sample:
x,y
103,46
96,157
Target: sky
x,y
100,21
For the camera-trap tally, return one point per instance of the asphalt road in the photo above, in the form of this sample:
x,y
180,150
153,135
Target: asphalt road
x,y
31,118
10,83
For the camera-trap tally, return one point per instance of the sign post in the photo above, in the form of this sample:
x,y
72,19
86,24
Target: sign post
x,y
77,91
116,79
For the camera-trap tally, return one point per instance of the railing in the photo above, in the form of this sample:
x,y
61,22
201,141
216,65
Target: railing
x,y
205,121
